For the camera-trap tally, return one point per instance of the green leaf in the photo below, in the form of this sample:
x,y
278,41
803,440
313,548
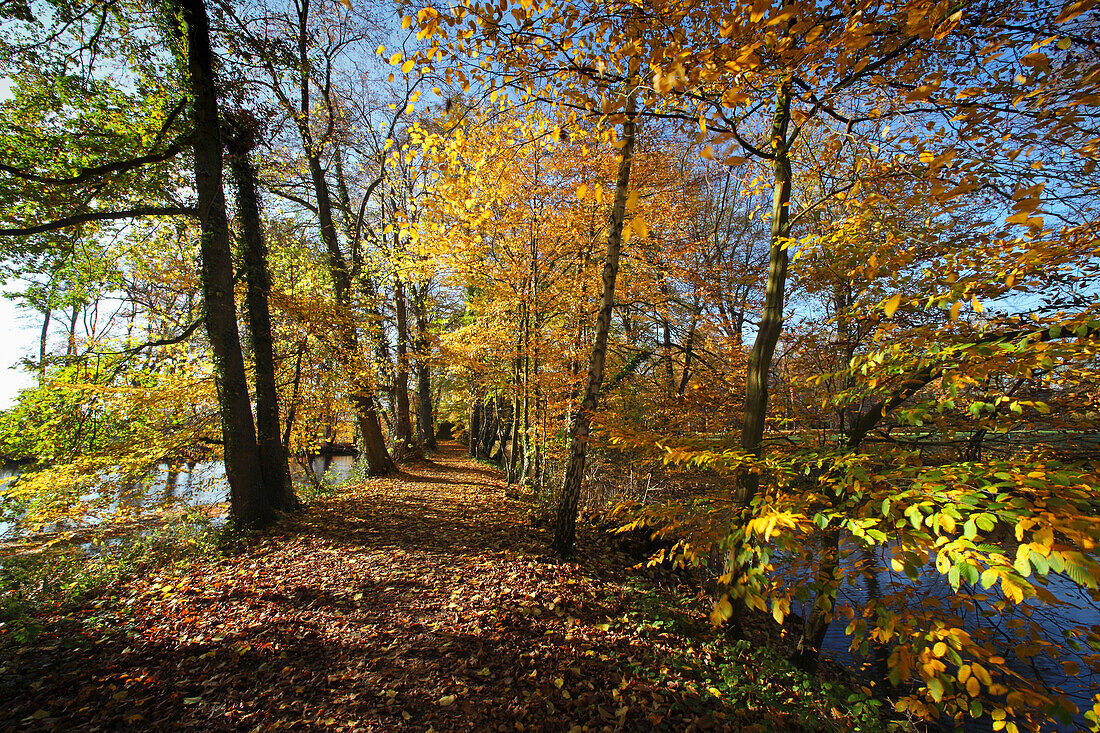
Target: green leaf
x,y
969,573
1079,575
935,689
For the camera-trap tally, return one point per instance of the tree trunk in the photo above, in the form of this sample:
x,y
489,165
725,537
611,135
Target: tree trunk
x,y
424,415
379,462
808,651
402,434
242,456
273,460
46,315
341,278
70,349
377,457
503,429
514,444
689,347
489,419
474,436
295,387
771,322
763,348
424,371
362,397
565,530
666,332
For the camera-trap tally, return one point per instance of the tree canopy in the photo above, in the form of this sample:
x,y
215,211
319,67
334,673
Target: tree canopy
x,y
806,292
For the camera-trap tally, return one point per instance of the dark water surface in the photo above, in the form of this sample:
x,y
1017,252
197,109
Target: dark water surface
x,y
932,588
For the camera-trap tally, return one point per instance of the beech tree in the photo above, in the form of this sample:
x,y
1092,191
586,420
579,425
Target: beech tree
x,y
103,193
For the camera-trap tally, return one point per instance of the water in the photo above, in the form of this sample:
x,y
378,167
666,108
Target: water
x,y
197,484
932,589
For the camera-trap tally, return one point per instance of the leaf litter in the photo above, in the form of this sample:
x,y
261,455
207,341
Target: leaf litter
x,y
420,602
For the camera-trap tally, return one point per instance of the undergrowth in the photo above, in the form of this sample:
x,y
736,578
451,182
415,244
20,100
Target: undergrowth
x,y
750,680
56,579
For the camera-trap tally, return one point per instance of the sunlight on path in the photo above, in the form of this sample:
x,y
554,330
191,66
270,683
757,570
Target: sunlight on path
x,y
419,602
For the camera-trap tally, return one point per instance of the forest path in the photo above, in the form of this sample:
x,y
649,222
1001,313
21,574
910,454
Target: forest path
x,y
417,602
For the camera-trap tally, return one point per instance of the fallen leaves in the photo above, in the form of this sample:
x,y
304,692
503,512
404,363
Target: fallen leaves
x,y
414,603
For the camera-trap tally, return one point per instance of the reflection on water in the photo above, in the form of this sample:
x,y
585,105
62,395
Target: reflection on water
x,y
932,590
194,483
332,469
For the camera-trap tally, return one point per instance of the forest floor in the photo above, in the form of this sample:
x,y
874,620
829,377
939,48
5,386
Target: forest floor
x,y
421,602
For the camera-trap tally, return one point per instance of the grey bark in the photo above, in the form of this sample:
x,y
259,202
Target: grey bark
x,y
424,416
273,458
242,456
565,530
402,434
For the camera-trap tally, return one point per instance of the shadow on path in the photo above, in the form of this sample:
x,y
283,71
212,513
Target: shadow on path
x,y
409,603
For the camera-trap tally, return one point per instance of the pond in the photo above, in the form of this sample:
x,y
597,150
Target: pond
x,y
201,483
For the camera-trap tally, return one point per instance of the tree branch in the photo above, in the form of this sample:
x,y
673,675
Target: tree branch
x,y
75,219
920,378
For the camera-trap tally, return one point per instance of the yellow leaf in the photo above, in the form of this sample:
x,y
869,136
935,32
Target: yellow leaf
x,y
973,687
982,675
722,611
408,66
892,305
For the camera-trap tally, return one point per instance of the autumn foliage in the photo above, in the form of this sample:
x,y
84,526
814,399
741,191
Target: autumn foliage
x,y
803,293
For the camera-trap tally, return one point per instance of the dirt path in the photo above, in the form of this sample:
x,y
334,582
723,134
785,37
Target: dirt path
x,y
414,603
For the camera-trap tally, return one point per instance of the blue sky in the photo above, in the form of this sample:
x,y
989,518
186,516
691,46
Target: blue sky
x,y
19,337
